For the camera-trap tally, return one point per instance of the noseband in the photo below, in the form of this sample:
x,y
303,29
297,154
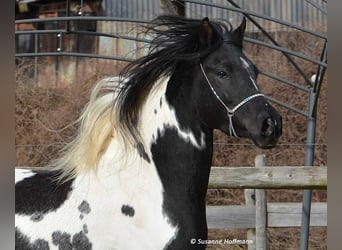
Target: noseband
x,y
230,112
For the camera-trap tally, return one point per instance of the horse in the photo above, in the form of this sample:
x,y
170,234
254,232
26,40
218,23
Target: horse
x,y
136,174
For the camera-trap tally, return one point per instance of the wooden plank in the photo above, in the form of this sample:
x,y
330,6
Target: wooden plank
x,y
250,201
261,211
278,215
231,216
282,215
286,177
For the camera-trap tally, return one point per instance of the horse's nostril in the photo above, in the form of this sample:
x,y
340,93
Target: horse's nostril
x,y
268,127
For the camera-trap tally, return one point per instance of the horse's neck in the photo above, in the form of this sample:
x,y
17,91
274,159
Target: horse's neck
x,y
164,134
173,170
182,154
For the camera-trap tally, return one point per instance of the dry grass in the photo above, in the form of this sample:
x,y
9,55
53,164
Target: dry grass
x,y
44,117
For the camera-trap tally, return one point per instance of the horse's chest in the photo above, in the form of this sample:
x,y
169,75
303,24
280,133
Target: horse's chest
x,y
131,224
133,216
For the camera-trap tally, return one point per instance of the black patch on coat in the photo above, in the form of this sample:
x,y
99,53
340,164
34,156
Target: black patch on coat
x,y
84,207
41,193
184,173
127,210
63,240
23,243
37,217
85,229
40,244
81,242
142,152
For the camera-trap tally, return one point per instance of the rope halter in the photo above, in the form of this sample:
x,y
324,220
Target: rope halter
x,y
230,112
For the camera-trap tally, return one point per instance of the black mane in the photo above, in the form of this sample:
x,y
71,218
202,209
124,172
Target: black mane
x,y
175,40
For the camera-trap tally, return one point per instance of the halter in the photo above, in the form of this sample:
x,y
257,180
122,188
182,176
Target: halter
x,y
230,112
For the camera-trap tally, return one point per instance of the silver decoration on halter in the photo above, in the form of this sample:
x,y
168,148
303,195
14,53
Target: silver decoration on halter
x,y
230,112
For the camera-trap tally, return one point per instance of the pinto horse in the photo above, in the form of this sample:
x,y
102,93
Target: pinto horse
x,y
136,174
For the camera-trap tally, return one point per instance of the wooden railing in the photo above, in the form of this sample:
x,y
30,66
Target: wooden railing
x,y
257,214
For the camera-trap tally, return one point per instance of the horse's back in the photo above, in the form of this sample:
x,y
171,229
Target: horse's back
x,y
39,191
37,196
79,214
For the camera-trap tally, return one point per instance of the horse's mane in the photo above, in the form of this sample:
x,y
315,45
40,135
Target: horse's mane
x,y
176,40
115,105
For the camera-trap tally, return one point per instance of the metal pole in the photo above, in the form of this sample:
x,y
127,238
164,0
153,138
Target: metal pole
x,y
309,158
67,13
36,37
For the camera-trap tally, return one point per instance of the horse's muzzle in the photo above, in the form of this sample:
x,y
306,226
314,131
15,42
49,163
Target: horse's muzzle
x,y
270,127
270,131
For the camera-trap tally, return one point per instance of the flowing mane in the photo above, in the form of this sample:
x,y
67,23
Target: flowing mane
x,y
115,103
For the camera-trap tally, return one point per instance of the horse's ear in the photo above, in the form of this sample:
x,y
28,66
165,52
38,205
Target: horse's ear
x,y
239,32
206,33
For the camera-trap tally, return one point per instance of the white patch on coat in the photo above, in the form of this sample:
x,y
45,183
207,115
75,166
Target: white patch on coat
x,y
122,178
21,174
254,83
245,64
164,118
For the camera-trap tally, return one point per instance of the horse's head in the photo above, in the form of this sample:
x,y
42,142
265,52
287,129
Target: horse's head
x,y
228,79
207,66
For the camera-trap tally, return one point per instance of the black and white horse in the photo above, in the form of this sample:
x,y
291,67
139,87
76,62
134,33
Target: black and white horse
x,y
136,175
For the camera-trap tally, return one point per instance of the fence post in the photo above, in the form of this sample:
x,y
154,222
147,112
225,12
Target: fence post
x,y
261,211
250,201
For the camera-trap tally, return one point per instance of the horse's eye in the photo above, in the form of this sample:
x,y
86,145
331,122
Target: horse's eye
x,y
222,74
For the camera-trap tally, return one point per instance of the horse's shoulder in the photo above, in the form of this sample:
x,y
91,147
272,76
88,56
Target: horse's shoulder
x,y
38,191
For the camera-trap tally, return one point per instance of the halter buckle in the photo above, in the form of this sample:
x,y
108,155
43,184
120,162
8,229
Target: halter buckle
x,y
230,113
